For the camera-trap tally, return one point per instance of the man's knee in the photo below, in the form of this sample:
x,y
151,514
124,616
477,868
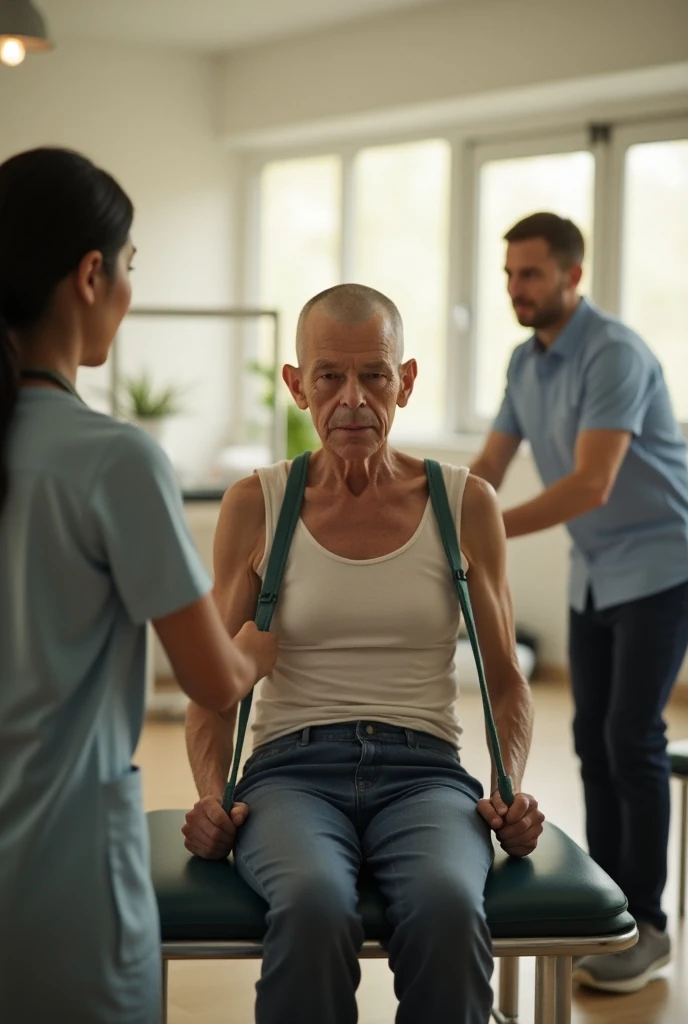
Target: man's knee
x,y
635,755
317,910
590,745
446,910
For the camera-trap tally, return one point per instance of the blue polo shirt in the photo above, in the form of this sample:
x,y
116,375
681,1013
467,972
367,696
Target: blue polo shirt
x,y
599,375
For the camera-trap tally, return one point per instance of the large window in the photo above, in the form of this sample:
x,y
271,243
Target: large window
x,y
299,236
401,245
509,189
394,237
424,220
654,282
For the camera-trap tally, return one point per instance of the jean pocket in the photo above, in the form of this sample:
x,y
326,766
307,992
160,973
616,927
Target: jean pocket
x,y
269,751
442,750
128,856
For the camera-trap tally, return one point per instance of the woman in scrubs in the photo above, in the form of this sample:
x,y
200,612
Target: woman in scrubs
x,y
93,544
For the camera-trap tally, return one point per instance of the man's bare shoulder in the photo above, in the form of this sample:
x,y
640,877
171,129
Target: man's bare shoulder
x,y
241,524
238,550
408,466
245,498
479,495
481,517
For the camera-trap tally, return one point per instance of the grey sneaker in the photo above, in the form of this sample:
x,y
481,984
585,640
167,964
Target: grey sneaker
x,y
628,971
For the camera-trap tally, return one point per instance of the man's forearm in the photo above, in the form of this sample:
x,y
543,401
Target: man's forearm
x,y
513,714
572,496
210,744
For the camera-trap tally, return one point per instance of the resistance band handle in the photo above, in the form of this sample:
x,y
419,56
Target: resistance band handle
x,y
447,528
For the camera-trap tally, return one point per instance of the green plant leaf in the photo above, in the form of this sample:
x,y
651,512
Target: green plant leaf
x,y
301,434
145,402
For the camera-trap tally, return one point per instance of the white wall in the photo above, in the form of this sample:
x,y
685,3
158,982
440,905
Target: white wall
x,y
151,118
445,51
293,91
147,116
537,565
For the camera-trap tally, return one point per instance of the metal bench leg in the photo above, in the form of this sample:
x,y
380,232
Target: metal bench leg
x,y
545,985
165,978
508,989
562,987
683,850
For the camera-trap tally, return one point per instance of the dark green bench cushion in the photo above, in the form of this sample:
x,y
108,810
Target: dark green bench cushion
x,y
558,892
678,755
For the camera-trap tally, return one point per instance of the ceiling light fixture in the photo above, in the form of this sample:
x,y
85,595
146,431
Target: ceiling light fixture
x,y
22,30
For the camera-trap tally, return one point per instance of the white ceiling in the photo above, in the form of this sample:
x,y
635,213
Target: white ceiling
x,y
211,25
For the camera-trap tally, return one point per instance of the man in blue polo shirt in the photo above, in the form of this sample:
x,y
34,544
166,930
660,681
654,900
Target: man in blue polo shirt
x,y
590,397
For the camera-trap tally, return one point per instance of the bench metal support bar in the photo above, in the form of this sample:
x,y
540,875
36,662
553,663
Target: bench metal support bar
x,y
552,972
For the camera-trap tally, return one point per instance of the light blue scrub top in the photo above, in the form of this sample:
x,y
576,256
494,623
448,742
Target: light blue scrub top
x,y
93,543
600,375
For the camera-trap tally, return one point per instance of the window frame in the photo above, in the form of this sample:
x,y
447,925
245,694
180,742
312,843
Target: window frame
x,y
471,146
481,153
623,137
657,129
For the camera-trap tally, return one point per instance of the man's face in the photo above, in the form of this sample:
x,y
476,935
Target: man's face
x,y
351,382
539,287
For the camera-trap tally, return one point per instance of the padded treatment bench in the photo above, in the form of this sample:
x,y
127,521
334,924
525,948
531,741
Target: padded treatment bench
x,y
678,756
553,905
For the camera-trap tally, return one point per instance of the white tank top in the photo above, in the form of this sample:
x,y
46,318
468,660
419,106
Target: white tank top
x,y
362,640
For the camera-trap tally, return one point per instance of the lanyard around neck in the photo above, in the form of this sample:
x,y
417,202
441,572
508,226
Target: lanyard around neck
x,y
52,377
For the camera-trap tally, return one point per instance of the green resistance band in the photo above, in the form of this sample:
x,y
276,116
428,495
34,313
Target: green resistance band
x,y
286,524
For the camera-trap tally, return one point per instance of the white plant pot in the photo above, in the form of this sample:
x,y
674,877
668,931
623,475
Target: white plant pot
x,y
155,427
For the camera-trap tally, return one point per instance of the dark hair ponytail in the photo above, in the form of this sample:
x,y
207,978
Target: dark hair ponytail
x,y
55,207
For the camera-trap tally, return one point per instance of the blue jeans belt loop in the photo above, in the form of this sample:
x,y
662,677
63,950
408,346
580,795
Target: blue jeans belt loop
x,y
305,737
411,739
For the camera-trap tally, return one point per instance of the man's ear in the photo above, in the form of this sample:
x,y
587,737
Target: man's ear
x,y
407,373
575,275
292,377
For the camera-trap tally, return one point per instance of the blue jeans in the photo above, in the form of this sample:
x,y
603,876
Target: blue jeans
x,y
323,801
624,663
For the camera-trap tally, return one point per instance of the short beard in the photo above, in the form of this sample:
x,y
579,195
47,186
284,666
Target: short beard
x,y
544,317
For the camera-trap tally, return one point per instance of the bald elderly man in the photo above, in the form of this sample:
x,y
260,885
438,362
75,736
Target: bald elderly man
x,y
356,735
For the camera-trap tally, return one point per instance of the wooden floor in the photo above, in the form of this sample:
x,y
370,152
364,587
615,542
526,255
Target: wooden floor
x,y
222,993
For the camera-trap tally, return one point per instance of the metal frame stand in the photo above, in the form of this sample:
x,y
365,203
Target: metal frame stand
x,y
174,704
552,972
683,847
279,447
507,1011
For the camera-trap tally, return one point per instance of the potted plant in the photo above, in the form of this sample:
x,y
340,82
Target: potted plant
x,y
148,407
301,434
